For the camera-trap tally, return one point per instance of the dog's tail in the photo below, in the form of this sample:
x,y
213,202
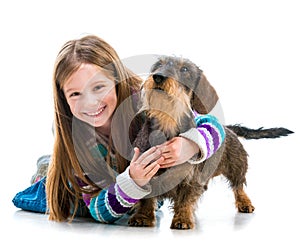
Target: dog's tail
x,y
259,133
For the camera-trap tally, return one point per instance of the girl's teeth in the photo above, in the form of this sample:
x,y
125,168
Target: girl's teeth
x,y
96,113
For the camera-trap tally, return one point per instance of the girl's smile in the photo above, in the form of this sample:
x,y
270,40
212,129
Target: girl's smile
x,y
96,113
91,95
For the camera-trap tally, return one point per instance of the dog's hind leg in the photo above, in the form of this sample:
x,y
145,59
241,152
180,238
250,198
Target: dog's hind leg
x,y
242,201
145,214
234,168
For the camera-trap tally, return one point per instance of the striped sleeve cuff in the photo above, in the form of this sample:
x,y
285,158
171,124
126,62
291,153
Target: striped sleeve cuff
x,y
193,135
110,204
209,136
130,188
213,133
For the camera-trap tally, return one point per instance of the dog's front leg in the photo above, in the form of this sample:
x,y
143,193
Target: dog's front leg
x,y
145,214
185,204
142,139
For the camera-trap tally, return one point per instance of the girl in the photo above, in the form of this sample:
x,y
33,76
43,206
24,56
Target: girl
x,y
93,160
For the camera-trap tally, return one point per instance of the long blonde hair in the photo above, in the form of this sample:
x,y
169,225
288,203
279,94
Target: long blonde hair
x,y
69,157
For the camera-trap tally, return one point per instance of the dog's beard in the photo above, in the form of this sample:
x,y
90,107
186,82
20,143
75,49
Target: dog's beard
x,y
167,110
157,99
175,106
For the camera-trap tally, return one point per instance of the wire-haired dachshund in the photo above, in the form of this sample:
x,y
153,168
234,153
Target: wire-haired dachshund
x,y
176,87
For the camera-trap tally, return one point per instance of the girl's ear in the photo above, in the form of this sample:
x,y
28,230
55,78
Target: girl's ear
x,y
204,96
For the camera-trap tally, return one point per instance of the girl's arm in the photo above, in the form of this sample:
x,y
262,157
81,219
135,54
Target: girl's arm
x,y
209,135
131,186
196,144
115,201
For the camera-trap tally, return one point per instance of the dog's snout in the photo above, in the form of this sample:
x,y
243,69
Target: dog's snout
x,y
159,79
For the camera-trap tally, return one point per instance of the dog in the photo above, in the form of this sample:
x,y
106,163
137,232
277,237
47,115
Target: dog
x,y
174,88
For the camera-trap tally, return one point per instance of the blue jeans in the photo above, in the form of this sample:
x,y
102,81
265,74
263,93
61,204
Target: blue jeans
x,y
32,198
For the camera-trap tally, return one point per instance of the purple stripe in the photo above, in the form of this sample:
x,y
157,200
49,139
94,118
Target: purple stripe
x,y
206,141
196,114
125,196
86,198
214,134
80,182
114,203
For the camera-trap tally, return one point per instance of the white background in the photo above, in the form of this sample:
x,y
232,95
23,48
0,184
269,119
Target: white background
x,y
249,51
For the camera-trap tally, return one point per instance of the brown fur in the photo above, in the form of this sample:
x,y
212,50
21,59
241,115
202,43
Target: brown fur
x,y
174,87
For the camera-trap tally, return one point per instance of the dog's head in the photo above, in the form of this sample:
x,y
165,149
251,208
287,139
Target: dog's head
x,y
175,76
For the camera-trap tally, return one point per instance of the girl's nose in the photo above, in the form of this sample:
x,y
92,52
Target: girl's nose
x,y
92,100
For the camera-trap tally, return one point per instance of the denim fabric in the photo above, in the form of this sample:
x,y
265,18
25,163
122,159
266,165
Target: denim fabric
x,y
33,198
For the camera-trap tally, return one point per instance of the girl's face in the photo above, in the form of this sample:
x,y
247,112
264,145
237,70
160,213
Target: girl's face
x,y
91,95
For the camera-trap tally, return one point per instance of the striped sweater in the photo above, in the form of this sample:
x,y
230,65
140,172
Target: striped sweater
x,y
116,200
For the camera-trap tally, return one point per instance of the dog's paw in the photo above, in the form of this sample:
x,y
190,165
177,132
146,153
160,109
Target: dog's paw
x,y
141,221
245,208
183,224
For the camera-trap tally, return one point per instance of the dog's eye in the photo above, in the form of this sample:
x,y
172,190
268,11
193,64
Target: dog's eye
x,y
170,63
156,66
184,69
159,65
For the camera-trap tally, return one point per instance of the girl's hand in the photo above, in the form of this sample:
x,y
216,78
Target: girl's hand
x,y
143,167
177,151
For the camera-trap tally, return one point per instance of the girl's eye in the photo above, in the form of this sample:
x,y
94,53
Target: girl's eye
x,y
97,87
74,94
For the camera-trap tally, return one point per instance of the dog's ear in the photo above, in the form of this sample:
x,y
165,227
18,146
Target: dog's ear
x,y
204,96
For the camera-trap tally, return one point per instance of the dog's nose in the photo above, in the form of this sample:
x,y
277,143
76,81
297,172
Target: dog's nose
x,y
159,79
